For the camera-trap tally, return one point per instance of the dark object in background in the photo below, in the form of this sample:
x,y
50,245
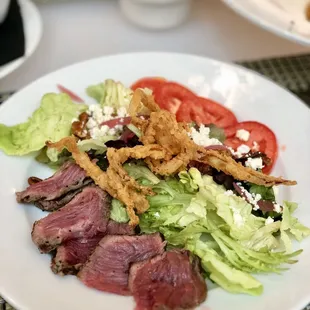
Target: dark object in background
x,y
12,38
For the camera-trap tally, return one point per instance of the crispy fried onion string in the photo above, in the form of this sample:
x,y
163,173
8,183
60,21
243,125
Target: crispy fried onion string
x,y
115,180
167,149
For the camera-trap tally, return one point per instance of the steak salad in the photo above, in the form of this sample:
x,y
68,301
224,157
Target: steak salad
x,y
155,191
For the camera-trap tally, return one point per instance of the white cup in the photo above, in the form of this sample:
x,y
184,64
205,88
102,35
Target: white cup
x,y
156,14
4,6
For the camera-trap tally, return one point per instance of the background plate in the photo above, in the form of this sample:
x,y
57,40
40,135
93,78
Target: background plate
x,y
285,18
33,31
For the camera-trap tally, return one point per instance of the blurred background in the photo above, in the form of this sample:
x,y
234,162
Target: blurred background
x,y
59,33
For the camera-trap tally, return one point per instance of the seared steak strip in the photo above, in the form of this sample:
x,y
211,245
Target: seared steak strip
x,y
71,256
167,281
108,267
85,216
53,205
69,177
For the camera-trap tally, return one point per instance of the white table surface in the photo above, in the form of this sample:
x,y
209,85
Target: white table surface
x,y
79,30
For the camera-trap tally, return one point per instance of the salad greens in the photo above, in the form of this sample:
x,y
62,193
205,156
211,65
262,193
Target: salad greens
x,y
51,121
194,212
190,209
118,212
267,193
53,158
110,93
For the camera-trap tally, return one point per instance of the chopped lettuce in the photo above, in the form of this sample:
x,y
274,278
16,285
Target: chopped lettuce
x,y
110,93
118,212
225,275
194,212
290,226
51,121
141,173
92,144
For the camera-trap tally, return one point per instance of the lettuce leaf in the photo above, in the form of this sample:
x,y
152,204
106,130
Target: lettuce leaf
x,y
51,121
118,212
267,193
219,228
141,173
110,93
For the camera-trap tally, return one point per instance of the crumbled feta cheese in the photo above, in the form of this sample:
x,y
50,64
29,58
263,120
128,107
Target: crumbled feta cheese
x,y
254,163
229,193
93,107
112,132
243,149
269,220
243,135
253,199
277,208
107,110
98,115
74,120
255,146
122,112
91,123
201,136
97,133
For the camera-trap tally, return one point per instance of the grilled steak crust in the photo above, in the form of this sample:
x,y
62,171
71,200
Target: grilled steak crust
x,y
56,204
69,177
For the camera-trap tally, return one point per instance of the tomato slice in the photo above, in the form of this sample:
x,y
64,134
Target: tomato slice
x,y
148,82
171,95
261,139
206,111
117,121
71,94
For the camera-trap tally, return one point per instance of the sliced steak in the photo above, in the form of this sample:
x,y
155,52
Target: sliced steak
x,y
71,256
167,281
69,177
85,216
53,205
115,228
108,267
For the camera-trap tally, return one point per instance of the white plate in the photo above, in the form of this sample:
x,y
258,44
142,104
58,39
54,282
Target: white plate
x,y
33,31
25,277
285,18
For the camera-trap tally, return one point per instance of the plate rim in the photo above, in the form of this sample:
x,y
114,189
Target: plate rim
x,y
237,66
252,17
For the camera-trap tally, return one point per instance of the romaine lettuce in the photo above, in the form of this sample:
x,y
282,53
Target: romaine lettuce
x,y
194,212
110,93
290,226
